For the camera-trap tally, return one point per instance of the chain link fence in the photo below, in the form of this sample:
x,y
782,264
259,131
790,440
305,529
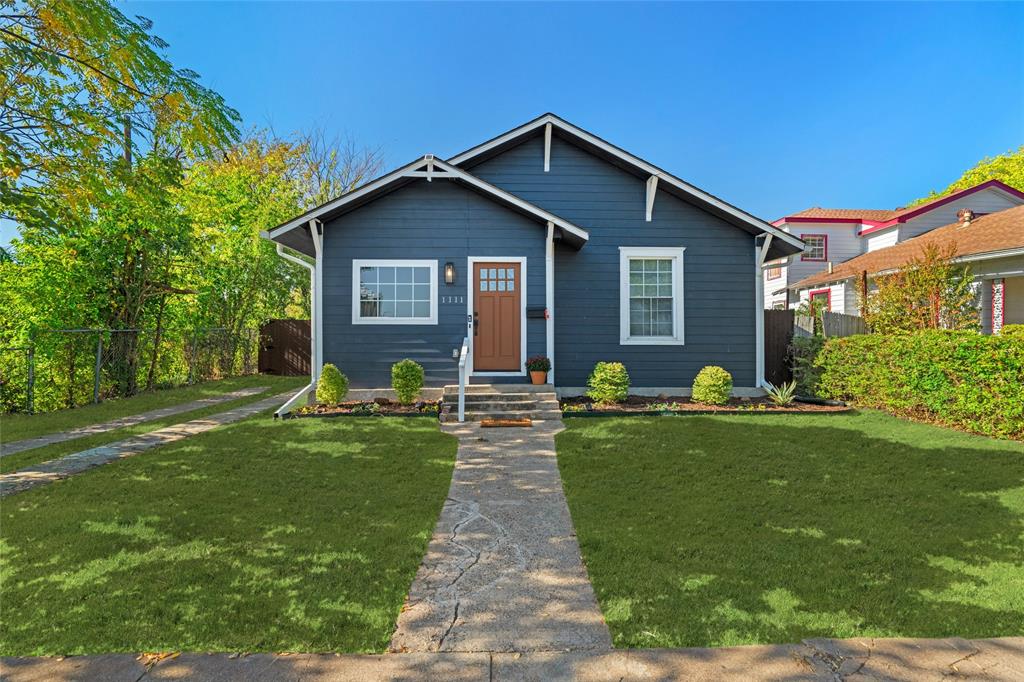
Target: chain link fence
x,y
63,368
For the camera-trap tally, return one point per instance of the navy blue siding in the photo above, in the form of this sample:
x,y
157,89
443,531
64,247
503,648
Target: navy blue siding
x,y
610,203
440,221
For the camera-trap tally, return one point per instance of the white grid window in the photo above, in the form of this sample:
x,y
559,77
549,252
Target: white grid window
x,y
394,292
817,247
651,295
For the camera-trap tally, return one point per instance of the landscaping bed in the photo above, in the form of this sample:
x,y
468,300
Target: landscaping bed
x,y
583,406
378,407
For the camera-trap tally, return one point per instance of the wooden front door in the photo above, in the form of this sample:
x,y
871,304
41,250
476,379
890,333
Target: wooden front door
x,y
497,317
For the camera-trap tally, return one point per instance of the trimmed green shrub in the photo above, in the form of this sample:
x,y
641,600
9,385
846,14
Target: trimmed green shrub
x,y
1014,330
958,378
332,387
609,383
713,386
407,380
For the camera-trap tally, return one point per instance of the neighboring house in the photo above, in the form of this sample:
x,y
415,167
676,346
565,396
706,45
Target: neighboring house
x,y
545,240
992,245
835,235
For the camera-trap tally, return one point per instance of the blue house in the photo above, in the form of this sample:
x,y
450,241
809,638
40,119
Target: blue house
x,y
545,240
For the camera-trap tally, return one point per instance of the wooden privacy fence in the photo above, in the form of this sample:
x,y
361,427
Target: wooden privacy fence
x,y
830,325
780,326
284,348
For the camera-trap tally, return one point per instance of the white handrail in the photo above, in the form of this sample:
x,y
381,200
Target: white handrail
x,y
463,354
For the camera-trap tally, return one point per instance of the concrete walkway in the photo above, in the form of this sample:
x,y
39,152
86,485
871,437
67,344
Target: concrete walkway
x,y
826,659
56,469
151,415
503,570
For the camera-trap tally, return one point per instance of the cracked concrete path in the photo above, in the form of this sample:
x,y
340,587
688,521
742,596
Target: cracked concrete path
x,y
834,660
152,415
503,571
63,467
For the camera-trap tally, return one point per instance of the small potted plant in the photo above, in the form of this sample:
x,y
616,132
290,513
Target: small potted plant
x,y
538,366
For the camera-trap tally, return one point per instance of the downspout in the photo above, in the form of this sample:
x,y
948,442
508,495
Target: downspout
x,y
316,232
759,255
306,391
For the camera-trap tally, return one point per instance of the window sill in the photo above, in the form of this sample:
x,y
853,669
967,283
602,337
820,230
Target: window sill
x,y
651,341
422,321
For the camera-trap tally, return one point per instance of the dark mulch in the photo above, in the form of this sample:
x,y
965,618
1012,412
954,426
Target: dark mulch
x,y
369,408
661,404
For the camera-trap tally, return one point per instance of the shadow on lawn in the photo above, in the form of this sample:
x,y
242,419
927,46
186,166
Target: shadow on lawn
x,y
705,531
260,536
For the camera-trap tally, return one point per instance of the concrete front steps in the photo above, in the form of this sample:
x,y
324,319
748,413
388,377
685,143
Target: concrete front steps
x,y
502,401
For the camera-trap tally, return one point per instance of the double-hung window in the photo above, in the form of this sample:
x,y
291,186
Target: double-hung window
x,y
817,247
650,295
394,291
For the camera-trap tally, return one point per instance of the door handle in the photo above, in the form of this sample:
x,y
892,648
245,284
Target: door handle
x,y
476,322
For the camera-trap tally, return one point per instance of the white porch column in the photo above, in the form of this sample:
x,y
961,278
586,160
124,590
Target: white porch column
x,y
549,295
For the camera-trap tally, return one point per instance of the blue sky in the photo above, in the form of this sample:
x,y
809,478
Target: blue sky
x,y
774,107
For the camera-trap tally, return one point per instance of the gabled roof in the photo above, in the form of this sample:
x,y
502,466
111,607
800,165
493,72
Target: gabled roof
x,y
989,236
881,219
784,243
294,235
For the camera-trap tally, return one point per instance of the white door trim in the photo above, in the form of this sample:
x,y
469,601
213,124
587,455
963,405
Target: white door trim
x,y
470,291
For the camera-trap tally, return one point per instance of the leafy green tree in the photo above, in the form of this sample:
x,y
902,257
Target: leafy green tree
x,y
81,83
1008,168
927,292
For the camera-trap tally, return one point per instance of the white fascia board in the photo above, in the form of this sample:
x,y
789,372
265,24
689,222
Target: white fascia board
x,y
346,198
435,169
632,160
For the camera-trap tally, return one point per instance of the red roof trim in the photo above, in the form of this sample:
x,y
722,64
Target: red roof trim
x,y
907,214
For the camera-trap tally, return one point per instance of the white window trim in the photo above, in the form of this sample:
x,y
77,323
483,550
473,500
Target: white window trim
x,y
470,290
676,254
389,262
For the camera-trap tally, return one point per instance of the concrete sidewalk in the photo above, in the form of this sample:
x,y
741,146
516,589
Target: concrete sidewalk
x,y
76,463
824,659
503,570
152,415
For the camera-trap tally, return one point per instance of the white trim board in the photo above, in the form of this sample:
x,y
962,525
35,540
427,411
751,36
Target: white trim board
x,y
635,161
626,253
358,263
655,391
470,291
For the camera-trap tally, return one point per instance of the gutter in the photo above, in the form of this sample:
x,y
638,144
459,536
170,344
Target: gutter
x,y
307,390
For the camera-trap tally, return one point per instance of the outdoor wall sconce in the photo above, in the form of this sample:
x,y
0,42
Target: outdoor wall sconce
x,y
449,273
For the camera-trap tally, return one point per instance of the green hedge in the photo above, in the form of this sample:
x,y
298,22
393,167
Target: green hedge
x,y
963,379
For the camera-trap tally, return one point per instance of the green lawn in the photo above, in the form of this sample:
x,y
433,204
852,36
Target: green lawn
x,y
301,535
722,530
275,385
20,426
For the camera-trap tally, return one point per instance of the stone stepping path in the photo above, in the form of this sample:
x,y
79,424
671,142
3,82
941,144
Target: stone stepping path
x,y
830,660
76,463
503,571
151,415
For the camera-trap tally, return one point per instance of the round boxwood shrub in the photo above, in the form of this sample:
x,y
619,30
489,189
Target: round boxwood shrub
x,y
609,383
332,387
713,386
407,380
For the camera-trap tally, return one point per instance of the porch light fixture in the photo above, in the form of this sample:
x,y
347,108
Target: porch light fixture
x,y
449,273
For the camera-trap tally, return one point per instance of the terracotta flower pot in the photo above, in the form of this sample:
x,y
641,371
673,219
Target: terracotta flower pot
x,y
538,377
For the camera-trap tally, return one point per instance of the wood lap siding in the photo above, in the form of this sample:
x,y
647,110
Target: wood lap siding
x,y
610,204
441,221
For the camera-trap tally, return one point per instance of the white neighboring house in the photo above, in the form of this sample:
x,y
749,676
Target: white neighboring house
x,y
992,245
835,235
